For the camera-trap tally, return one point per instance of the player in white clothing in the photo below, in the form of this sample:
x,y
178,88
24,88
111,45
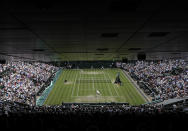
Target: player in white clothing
x,y
98,92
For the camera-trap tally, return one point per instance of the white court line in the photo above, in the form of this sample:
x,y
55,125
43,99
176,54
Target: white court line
x,y
95,90
130,97
92,79
74,84
107,83
101,96
78,85
93,85
59,96
113,86
85,89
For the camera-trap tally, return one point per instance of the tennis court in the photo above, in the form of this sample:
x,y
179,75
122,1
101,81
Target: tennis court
x,y
82,85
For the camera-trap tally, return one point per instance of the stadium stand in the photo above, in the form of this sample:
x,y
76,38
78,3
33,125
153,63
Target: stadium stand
x,y
21,81
158,78
72,116
90,42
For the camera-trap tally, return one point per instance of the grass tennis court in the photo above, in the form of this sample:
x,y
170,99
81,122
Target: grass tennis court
x,y
82,85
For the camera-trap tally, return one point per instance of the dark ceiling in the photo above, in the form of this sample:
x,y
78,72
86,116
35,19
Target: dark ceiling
x,y
93,30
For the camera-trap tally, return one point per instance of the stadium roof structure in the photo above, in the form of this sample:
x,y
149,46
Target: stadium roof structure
x,y
74,30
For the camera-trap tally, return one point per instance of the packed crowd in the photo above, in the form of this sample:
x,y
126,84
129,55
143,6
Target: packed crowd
x,y
9,107
85,117
169,77
3,67
24,80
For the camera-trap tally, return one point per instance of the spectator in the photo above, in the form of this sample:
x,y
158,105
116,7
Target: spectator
x,y
159,77
24,80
